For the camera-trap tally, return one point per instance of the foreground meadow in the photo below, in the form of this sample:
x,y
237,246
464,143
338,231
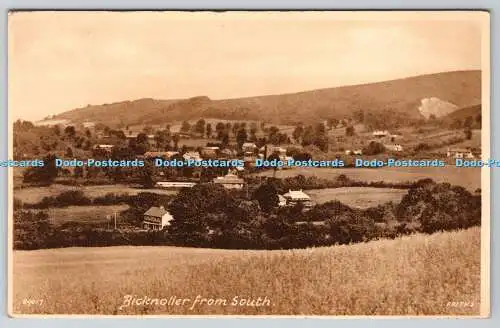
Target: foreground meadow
x,y
416,275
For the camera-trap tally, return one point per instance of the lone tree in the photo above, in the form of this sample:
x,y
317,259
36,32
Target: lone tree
x,y
241,137
200,127
186,127
267,196
209,130
468,133
349,131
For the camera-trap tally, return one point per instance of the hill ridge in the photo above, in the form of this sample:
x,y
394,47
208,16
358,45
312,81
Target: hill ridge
x,y
402,96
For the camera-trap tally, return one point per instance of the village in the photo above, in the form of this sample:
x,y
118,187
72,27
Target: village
x,y
235,148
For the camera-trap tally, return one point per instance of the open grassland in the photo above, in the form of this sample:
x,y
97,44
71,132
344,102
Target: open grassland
x,y
469,178
85,214
360,197
35,194
416,275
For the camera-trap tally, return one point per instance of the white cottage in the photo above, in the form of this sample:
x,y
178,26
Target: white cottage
x,y
156,218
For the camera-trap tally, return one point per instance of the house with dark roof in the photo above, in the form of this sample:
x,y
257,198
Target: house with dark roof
x,y
156,218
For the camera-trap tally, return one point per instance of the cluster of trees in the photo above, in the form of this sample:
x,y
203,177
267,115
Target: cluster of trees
x,y
30,140
230,220
243,132
439,207
310,135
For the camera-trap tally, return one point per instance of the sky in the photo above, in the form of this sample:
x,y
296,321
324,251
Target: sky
x,y
59,61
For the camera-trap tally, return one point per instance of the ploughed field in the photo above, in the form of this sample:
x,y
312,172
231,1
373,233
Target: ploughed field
x,y
409,275
359,197
469,178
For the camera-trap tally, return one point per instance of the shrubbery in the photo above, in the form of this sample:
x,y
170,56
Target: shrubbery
x,y
208,215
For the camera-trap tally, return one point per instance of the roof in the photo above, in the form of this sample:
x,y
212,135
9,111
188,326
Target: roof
x,y
156,212
160,153
297,194
461,150
192,155
229,179
249,144
378,132
316,223
175,184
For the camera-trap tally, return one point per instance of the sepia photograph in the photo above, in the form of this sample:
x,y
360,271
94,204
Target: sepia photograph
x,y
249,163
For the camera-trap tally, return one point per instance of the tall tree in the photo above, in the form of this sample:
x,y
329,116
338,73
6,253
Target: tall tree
x,y
241,137
267,196
186,127
349,131
200,127
209,130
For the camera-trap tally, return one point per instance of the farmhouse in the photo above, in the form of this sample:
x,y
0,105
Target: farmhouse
x,y
460,153
104,147
130,134
394,147
210,151
380,133
294,197
248,147
230,181
268,150
192,155
156,218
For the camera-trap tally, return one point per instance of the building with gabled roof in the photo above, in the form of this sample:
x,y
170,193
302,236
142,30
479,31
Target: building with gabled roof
x,y
230,181
156,218
294,197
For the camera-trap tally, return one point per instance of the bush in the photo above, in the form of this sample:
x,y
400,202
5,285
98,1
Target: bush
x,y
439,207
374,148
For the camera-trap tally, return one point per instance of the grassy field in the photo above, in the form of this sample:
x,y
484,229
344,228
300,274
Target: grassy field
x,y
360,197
410,275
84,214
35,194
469,178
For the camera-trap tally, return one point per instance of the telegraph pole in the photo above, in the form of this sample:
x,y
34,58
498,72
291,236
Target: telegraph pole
x,y
115,220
